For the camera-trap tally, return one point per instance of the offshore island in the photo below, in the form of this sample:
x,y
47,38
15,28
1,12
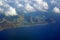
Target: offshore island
x,y
22,20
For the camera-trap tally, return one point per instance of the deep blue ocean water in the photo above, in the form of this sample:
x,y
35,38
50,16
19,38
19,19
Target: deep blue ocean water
x,y
36,32
39,32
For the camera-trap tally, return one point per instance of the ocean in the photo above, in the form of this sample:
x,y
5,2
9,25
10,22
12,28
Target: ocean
x,y
50,31
37,32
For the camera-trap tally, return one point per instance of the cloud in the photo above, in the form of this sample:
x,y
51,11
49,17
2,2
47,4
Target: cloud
x,y
20,5
29,8
41,5
6,9
56,10
1,3
24,6
11,12
56,3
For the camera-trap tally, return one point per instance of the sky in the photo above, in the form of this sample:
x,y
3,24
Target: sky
x,y
10,7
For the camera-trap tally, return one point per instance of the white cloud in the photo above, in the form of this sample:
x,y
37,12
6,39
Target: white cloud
x,y
1,3
6,9
20,5
45,5
56,10
41,5
55,3
11,12
26,5
29,8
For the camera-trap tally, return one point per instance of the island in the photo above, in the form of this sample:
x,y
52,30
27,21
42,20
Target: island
x,y
21,21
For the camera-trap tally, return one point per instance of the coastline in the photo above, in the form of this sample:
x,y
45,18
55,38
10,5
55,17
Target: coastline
x,y
1,29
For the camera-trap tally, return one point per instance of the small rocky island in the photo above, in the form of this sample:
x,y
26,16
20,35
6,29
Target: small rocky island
x,y
22,20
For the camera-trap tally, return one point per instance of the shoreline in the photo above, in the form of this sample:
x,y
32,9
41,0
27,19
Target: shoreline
x,y
22,26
